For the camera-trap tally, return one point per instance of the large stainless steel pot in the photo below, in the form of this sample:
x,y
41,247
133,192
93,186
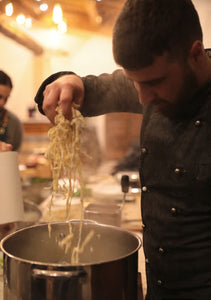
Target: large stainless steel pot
x,y
35,267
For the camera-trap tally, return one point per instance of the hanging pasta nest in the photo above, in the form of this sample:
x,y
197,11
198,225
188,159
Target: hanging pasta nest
x,y
64,154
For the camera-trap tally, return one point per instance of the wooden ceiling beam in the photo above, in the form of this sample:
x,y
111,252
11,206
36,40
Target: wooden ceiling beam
x,y
26,7
19,36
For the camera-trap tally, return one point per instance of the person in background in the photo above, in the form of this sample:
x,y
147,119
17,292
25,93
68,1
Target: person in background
x,y
11,131
166,76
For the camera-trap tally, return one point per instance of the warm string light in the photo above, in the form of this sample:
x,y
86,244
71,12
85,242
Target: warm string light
x,y
57,14
62,27
58,18
27,22
20,19
43,6
9,9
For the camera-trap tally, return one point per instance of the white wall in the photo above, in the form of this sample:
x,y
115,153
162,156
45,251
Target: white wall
x,y
17,62
204,10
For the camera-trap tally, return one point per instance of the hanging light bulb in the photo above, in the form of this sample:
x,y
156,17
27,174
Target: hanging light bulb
x,y
43,6
9,9
62,27
57,14
28,22
20,19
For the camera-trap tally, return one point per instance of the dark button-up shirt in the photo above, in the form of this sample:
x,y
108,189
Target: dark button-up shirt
x,y
175,171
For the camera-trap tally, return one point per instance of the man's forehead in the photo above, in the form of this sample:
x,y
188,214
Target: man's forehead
x,y
159,68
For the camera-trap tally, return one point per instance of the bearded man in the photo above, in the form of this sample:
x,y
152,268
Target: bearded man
x,y
166,76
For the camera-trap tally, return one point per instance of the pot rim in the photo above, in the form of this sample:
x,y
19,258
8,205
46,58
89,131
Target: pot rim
x,y
68,265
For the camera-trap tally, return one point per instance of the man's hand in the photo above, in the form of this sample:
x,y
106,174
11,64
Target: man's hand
x,y
5,147
68,91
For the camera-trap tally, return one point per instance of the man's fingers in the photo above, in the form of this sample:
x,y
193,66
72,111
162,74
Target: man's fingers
x,y
50,102
67,91
66,101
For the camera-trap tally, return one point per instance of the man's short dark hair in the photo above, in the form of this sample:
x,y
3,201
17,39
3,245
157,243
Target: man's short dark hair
x,y
5,79
148,28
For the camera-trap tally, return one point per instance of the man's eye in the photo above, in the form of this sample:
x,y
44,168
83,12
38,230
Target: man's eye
x,y
154,82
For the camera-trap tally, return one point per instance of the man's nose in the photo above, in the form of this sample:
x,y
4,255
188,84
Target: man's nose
x,y
146,94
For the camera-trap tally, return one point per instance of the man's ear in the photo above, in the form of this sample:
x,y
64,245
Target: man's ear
x,y
196,53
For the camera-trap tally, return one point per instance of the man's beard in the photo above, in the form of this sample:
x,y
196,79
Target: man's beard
x,y
182,104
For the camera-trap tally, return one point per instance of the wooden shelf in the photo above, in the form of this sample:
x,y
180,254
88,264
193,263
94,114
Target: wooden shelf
x,y
36,128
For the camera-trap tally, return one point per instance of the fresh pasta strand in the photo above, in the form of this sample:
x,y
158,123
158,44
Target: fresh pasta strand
x,y
64,152
64,156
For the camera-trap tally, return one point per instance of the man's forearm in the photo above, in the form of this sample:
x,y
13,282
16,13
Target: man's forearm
x,y
103,94
109,93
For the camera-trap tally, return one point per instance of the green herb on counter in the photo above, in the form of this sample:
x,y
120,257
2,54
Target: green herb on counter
x,y
87,192
37,180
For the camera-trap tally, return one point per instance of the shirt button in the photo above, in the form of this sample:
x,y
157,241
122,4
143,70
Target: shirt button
x,y
159,282
146,260
143,150
161,250
173,210
197,123
143,226
177,171
144,189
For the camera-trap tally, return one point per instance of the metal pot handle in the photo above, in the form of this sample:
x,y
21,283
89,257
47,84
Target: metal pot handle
x,y
57,274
